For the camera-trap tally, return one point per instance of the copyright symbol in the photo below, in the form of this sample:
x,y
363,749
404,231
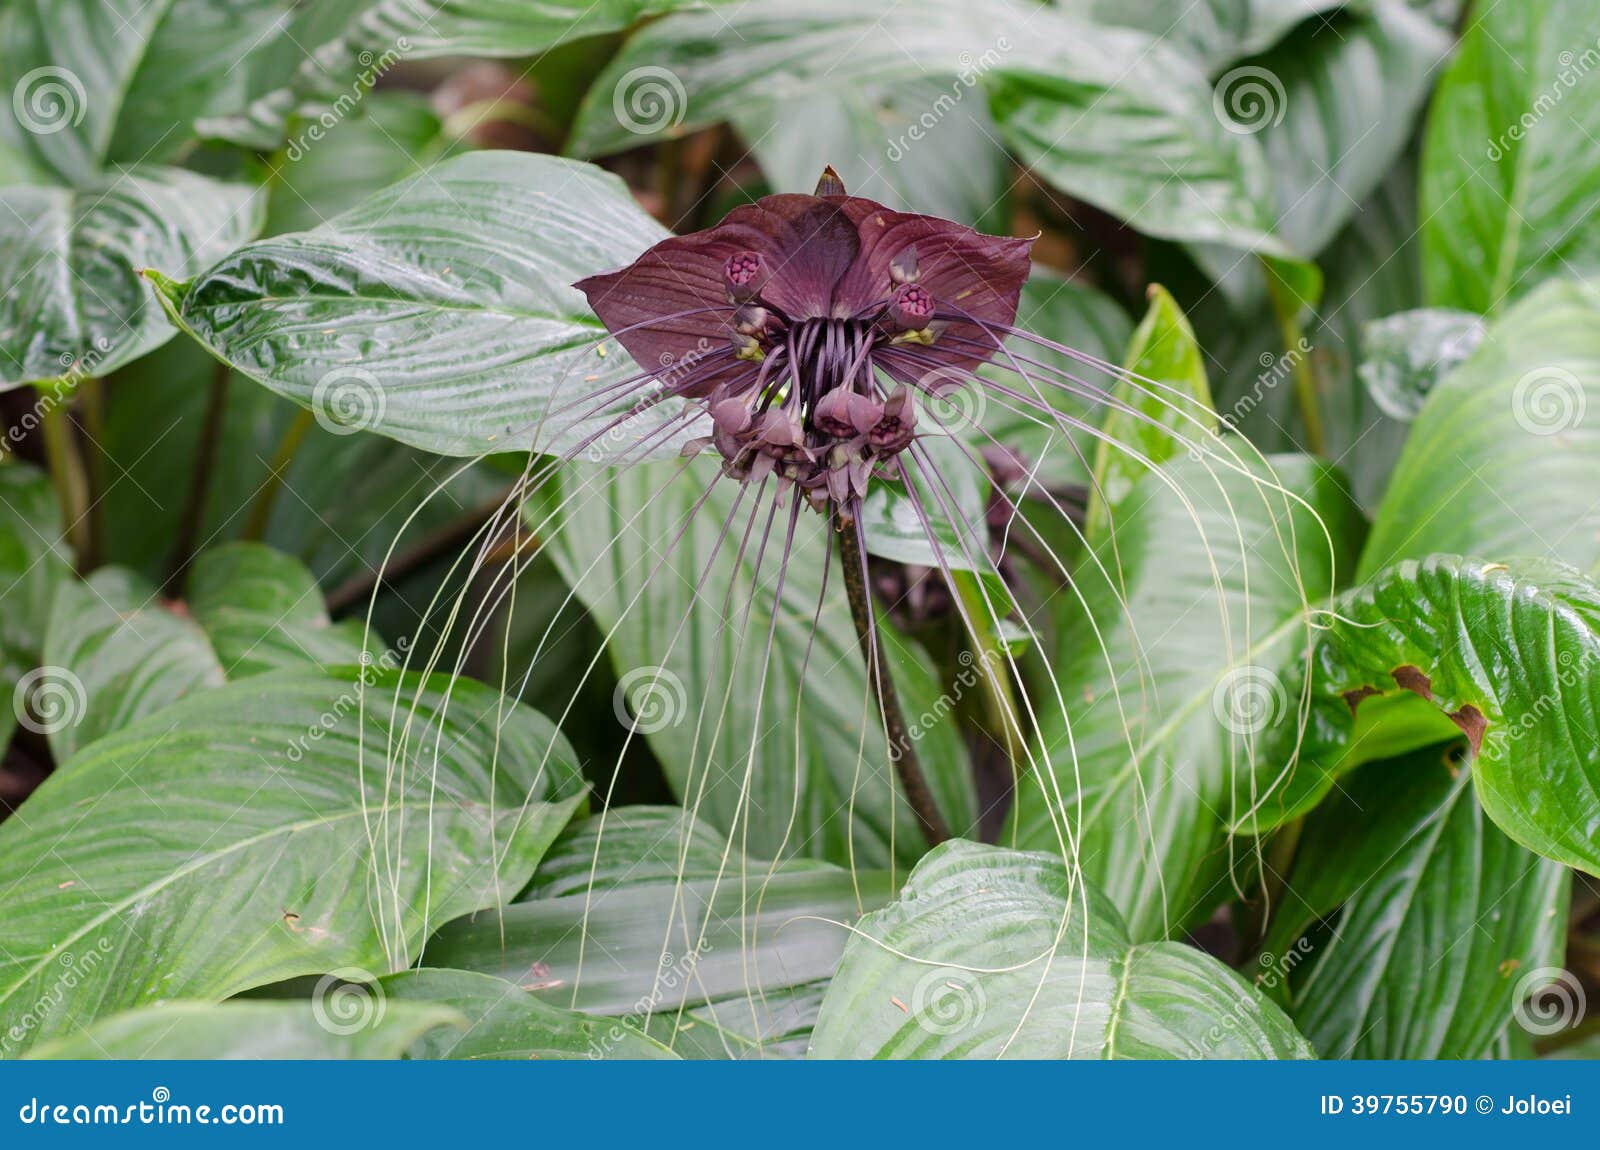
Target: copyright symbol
x,y
1485,1104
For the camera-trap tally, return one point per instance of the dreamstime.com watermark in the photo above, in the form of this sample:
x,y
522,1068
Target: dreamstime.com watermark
x,y
373,66
1275,369
1574,67
970,71
157,1110
649,699
969,676
47,400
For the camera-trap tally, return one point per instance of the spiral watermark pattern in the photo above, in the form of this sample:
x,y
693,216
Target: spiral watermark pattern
x,y
348,1001
49,99
649,99
348,400
947,1001
1548,1000
650,699
1548,401
1249,99
1248,700
49,699
952,400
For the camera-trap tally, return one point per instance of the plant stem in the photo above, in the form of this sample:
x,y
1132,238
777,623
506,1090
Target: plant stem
x,y
991,661
92,414
1286,309
261,509
66,473
853,560
194,509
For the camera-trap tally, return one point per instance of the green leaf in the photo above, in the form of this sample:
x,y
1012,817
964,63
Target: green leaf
x,y
394,134
506,1022
100,84
789,749
1158,742
34,558
471,262
923,145
1151,421
951,493
1509,196
75,305
263,610
332,52
1437,918
126,653
1214,32
716,964
204,1031
1501,461
1446,629
991,953
288,825
1405,355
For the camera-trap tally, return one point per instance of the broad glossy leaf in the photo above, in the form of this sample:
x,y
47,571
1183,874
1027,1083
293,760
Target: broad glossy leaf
x,y
263,610
129,653
925,145
438,312
506,1022
205,1031
1215,32
75,305
1162,749
337,49
1437,917
993,953
790,749
649,950
34,558
97,83
291,824
1163,405
1510,653
1509,197
1502,460
1405,355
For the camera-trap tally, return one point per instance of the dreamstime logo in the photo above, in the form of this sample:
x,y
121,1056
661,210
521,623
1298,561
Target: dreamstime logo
x,y
656,697
952,401
1548,1001
49,99
649,99
1248,100
348,1001
1548,401
1247,700
348,400
970,71
49,699
947,1001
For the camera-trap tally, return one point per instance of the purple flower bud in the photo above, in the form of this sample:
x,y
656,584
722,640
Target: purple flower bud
x,y
911,307
752,320
744,275
846,415
898,426
732,417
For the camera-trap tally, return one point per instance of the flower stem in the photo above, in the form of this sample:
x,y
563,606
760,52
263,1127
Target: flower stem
x,y
261,509
853,560
1286,309
194,508
66,473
